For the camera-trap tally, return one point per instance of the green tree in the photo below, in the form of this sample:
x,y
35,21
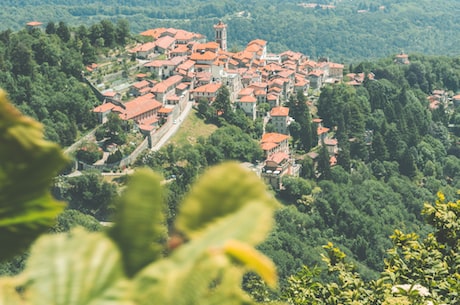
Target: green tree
x,y
222,102
324,166
63,31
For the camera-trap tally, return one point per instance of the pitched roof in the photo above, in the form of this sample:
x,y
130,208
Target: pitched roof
x,y
274,137
165,42
322,130
139,106
104,107
167,83
246,91
278,157
206,56
155,33
141,84
279,111
208,88
248,99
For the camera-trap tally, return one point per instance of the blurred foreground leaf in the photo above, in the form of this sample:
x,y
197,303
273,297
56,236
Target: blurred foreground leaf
x,y
140,226
75,268
28,164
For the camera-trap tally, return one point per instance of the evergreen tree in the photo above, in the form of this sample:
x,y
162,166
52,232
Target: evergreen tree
x,y
324,166
63,31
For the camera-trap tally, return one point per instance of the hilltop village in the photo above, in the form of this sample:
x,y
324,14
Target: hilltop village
x,y
189,69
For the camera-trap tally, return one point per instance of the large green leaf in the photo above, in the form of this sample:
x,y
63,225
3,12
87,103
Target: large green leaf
x,y
175,282
75,268
140,229
28,164
228,211
220,192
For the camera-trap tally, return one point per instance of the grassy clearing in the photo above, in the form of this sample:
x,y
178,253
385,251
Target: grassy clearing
x,y
191,129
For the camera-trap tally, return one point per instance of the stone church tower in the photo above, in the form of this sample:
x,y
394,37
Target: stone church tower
x,y
221,35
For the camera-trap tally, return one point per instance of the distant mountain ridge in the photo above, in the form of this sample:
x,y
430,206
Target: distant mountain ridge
x,y
343,30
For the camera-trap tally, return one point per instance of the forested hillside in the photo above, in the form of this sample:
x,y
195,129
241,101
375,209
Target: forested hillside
x,y
344,30
41,71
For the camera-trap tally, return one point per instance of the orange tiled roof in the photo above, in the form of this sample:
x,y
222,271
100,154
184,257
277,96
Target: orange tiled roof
x,y
259,42
208,88
279,111
274,137
268,146
278,157
141,84
246,91
155,33
272,97
165,42
139,106
161,87
165,110
34,23
317,120
186,65
206,56
322,130
248,99
104,107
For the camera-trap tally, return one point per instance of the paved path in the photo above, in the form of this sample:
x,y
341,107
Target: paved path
x,y
174,127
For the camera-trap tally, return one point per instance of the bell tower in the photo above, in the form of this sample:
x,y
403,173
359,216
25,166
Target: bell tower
x,y
221,35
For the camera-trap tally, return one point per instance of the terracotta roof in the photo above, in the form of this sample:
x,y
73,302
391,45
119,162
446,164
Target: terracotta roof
x,y
155,33
186,65
272,97
208,88
146,47
259,42
248,99
184,35
211,45
104,107
161,87
206,56
268,146
260,92
274,137
180,48
246,91
333,161
165,110
279,111
165,42
139,105
278,157
141,84
34,23
317,120
322,130
182,86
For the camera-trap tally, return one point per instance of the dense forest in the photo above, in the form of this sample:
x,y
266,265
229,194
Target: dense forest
x,y
347,31
395,152
41,71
